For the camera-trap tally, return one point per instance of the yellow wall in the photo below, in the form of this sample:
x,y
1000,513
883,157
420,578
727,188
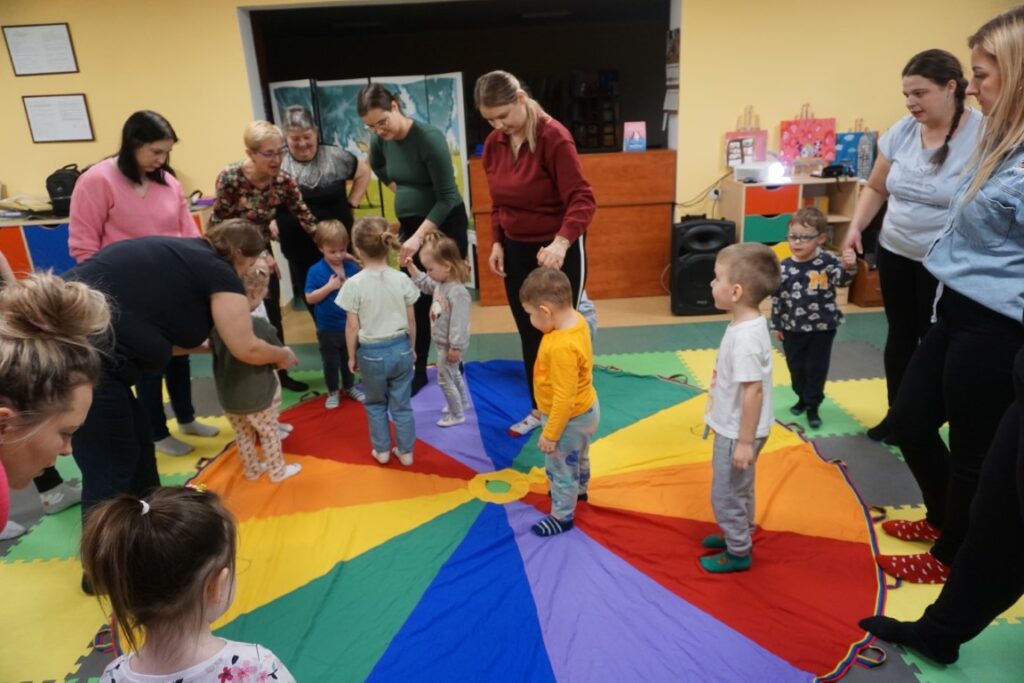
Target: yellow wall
x,y
184,58
778,54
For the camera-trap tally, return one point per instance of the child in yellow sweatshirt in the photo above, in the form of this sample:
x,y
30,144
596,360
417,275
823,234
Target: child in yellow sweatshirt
x,y
563,384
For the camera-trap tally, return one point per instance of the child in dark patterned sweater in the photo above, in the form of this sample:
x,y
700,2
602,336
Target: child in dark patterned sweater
x,y
804,311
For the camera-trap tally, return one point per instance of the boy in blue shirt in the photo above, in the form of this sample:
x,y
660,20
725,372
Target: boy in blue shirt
x,y
322,284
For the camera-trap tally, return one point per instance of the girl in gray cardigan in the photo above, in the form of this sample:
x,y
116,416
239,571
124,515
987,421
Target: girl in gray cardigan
x,y
446,271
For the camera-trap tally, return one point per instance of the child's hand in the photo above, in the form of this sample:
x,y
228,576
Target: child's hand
x,y
849,258
743,456
335,283
289,360
454,355
352,364
778,334
546,445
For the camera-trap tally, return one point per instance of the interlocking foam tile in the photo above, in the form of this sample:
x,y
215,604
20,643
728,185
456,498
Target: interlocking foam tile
x,y
71,620
68,468
869,327
863,399
315,380
53,537
662,363
834,420
855,360
995,656
204,447
872,468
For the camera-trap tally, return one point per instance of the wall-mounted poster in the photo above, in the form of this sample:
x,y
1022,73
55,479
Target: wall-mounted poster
x,y
40,49
58,118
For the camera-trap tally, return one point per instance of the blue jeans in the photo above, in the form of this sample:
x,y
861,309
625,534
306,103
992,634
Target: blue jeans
x,y
387,370
179,388
113,448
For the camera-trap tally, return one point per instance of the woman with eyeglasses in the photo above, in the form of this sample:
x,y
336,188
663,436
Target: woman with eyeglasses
x,y
254,189
413,159
919,161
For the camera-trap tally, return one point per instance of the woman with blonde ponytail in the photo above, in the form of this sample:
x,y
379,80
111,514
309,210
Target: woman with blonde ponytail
x,y
47,370
542,204
963,370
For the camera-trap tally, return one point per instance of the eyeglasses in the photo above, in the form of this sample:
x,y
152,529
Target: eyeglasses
x,y
380,125
273,154
803,238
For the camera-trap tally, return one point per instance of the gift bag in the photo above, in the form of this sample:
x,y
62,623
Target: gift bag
x,y
807,139
748,142
856,149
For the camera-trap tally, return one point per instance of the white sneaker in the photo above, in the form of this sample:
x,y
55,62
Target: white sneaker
x,y
285,427
60,498
333,400
450,421
197,428
11,531
172,446
404,458
355,394
289,471
524,426
382,458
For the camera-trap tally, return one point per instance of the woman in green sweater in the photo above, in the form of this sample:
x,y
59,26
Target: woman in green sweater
x,y
412,158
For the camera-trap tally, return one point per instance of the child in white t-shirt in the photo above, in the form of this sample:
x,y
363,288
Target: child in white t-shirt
x,y
739,408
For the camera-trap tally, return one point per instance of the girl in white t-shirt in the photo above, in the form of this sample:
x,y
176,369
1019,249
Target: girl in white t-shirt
x,y
382,324
167,566
919,162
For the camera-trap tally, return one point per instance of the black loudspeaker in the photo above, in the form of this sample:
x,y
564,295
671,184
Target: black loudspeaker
x,y
695,243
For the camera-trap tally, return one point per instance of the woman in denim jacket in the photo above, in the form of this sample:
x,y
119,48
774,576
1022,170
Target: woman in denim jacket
x,y
962,371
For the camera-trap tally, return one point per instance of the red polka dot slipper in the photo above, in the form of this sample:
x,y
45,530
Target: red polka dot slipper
x,y
906,530
920,568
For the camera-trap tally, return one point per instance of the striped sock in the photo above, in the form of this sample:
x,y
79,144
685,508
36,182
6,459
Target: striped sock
x,y
549,526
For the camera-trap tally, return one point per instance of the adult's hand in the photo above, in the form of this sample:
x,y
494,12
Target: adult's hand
x,y
852,241
288,359
410,248
497,259
275,232
553,255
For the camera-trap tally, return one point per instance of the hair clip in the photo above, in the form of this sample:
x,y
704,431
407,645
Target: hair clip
x,y
145,507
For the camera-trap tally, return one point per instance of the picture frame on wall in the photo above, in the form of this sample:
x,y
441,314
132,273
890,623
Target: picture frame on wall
x,y
58,118
40,49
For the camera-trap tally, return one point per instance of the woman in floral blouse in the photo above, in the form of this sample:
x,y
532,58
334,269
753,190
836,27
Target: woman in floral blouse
x,y
254,189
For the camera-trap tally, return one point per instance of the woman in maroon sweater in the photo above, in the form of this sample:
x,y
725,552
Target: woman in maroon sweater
x,y
541,202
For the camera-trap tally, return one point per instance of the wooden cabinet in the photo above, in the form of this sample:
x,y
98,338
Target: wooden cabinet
x,y
628,240
762,211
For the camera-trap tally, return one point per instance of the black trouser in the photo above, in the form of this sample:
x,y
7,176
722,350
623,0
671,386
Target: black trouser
x,y
113,448
808,355
454,226
179,388
987,576
273,304
961,373
302,254
334,354
908,294
48,480
520,261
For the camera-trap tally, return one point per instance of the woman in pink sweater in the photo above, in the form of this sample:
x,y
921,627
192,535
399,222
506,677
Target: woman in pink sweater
x,y
135,194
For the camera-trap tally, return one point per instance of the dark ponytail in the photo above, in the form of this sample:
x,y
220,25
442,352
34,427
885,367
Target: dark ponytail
x,y
941,67
374,96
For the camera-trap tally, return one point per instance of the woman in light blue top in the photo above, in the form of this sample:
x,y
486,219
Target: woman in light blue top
x,y
963,370
919,163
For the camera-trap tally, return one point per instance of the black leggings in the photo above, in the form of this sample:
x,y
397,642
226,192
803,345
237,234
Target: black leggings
x,y
908,293
454,226
988,574
520,261
961,372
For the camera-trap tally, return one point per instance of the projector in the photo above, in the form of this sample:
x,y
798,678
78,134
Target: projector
x,y
760,172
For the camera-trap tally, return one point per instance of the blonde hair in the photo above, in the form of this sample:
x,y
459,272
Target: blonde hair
x,y
753,266
546,286
498,88
331,232
372,235
235,234
257,279
125,546
45,325
258,132
444,250
1002,39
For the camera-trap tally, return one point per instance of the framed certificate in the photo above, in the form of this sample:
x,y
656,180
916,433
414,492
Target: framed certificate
x,y
58,118
39,49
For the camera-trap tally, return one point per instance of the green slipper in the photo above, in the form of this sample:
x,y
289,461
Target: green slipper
x,y
714,541
725,562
